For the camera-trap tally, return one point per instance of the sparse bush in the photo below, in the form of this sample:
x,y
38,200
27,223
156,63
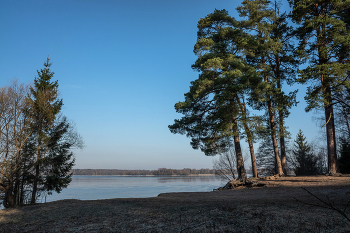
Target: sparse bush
x,y
225,165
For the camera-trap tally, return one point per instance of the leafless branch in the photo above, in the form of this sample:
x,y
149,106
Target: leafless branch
x,y
327,205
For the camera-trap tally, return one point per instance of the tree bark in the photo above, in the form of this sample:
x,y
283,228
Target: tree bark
x,y
279,170
35,185
252,156
9,199
281,115
249,136
37,172
240,163
283,151
328,106
330,130
278,165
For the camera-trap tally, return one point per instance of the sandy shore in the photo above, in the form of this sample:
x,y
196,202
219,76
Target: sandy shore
x,y
280,206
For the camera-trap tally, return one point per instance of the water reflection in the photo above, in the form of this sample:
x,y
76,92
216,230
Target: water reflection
x,y
105,187
186,179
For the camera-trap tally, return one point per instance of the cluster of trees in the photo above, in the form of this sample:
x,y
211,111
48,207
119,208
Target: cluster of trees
x,y
35,141
158,172
244,65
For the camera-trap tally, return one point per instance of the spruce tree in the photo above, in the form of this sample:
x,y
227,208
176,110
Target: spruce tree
x,y
304,161
324,40
50,143
265,158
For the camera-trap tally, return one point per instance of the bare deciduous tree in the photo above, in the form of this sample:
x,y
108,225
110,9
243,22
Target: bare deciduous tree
x,y
225,165
14,132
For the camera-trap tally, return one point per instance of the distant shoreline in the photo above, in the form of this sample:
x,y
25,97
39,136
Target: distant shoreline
x,y
158,172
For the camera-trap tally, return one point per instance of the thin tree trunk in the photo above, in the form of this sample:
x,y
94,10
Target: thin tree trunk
x,y
249,136
21,199
328,107
16,190
36,178
283,149
280,114
35,184
240,163
252,156
282,142
278,165
279,170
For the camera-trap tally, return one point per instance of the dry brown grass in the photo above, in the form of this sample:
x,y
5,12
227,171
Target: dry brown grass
x,y
269,209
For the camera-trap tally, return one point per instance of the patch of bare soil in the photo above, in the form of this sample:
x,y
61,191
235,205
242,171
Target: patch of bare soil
x,y
272,208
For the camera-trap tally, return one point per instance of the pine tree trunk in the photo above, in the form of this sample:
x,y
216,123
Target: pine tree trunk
x,y
282,143
252,156
240,163
327,93
280,114
278,165
35,184
37,172
249,136
331,145
279,170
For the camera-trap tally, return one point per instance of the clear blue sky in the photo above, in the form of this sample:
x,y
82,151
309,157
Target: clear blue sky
x,y
121,66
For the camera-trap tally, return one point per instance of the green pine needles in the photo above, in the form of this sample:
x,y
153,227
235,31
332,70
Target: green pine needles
x,y
324,40
244,65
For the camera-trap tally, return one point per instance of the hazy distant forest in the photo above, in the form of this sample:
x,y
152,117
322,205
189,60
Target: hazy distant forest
x,y
244,66
158,172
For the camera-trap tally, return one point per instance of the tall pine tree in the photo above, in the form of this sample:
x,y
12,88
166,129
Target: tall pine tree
x,y
258,22
284,63
323,37
214,106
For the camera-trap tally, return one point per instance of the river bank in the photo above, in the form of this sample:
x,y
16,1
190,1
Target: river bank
x,y
277,207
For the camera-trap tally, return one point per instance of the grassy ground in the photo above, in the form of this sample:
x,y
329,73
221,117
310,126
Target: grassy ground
x,y
273,208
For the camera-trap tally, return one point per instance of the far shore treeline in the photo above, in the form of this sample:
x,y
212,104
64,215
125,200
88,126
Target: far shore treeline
x,y
158,172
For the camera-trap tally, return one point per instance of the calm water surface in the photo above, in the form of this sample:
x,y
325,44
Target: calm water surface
x,y
106,187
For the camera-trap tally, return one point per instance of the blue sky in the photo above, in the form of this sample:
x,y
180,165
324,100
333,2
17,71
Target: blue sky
x,y
121,66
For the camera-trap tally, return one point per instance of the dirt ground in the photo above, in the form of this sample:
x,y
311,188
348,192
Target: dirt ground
x,y
281,206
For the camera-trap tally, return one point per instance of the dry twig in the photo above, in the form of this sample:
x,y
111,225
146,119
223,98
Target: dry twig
x,y
327,205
